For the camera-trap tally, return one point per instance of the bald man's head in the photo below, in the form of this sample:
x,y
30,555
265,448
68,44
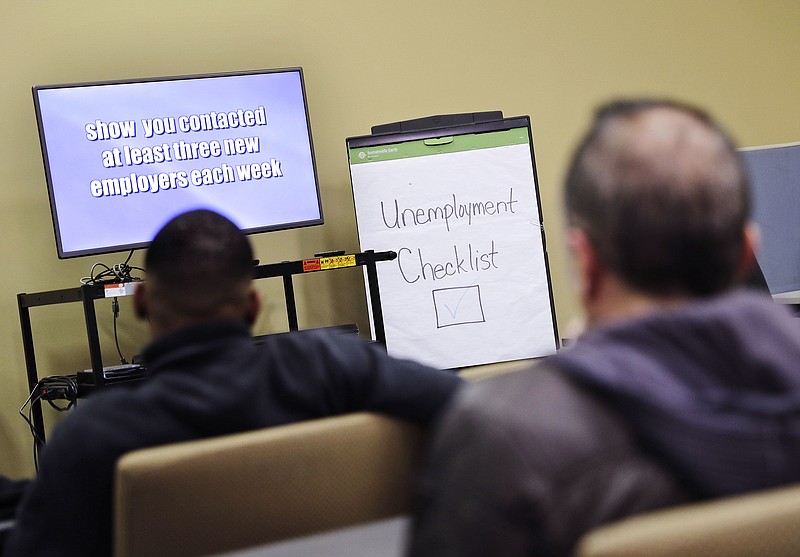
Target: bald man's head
x,y
660,192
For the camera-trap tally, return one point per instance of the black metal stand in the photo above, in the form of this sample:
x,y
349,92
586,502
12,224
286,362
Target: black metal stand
x,y
88,293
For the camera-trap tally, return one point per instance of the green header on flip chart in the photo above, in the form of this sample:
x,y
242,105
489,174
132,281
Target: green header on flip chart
x,y
439,145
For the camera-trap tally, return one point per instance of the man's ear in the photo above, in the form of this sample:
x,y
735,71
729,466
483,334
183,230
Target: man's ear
x,y
587,263
253,306
751,241
140,301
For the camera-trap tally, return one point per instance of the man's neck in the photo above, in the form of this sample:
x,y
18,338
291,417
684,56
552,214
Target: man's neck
x,y
618,302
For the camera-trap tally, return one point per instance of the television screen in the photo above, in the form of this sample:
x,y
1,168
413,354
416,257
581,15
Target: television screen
x,y
123,157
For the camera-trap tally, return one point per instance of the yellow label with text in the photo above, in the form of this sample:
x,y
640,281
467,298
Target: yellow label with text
x,y
337,262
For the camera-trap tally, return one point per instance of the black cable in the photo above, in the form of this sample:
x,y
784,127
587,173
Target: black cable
x,y
121,272
56,387
37,440
115,311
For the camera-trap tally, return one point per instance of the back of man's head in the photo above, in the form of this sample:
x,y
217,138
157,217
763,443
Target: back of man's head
x,y
199,268
660,192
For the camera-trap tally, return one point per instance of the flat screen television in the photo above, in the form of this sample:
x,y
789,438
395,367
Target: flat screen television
x,y
123,157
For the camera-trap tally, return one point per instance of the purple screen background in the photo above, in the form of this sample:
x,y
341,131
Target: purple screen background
x,y
87,224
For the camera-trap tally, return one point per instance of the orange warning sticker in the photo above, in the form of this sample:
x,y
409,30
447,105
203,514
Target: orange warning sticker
x,y
310,265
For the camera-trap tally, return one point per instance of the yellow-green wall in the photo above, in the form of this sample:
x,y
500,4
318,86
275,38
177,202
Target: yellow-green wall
x,y
365,63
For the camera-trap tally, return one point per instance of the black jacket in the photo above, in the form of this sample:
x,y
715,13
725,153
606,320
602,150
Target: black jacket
x,y
206,381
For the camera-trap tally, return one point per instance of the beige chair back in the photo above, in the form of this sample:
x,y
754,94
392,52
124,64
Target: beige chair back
x,y
763,524
247,489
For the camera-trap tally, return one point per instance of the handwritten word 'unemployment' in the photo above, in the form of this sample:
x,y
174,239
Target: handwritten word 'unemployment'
x,y
395,217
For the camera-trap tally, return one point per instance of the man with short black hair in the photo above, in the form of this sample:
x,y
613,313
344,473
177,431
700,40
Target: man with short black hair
x,y
683,386
207,378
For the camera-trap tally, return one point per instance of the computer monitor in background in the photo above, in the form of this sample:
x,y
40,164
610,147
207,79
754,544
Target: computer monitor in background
x,y
775,182
123,157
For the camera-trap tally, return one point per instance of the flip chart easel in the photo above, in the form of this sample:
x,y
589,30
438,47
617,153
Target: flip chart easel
x,y
458,201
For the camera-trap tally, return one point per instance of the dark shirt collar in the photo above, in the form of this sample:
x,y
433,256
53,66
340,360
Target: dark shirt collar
x,y
192,338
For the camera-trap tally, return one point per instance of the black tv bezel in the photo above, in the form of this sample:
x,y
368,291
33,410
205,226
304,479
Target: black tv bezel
x,y
104,250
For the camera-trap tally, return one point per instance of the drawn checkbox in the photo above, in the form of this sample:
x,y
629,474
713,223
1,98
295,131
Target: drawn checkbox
x,y
458,306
